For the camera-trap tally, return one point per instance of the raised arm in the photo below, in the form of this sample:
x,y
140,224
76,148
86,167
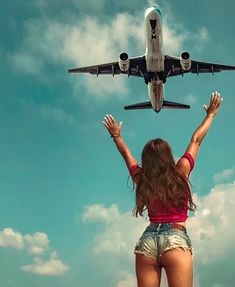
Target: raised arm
x,y
114,129
185,163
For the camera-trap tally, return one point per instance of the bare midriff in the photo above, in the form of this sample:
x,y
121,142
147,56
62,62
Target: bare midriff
x,y
181,223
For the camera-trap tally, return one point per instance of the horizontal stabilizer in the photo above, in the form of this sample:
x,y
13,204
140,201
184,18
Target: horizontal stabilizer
x,y
165,105
143,105
173,105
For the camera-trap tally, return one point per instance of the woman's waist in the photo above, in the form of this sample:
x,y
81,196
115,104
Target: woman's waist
x,y
153,227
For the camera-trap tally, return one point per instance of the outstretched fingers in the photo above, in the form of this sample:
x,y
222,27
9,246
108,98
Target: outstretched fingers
x,y
105,124
111,118
108,120
216,99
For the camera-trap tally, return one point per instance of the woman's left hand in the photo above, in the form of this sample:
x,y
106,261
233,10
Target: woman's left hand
x,y
112,126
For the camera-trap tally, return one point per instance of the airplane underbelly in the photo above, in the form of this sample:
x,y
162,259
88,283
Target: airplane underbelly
x,y
154,63
156,94
154,54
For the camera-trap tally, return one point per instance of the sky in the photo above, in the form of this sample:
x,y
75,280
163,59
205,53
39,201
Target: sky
x,y
66,198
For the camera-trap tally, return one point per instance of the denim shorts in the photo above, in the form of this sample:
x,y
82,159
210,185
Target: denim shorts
x,y
158,238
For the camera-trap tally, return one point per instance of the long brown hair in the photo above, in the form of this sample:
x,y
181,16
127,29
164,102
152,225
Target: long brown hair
x,y
159,179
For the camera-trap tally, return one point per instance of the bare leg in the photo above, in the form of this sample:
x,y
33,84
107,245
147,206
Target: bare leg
x,y
178,265
148,272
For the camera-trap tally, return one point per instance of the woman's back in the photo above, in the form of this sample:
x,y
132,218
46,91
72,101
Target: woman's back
x,y
161,187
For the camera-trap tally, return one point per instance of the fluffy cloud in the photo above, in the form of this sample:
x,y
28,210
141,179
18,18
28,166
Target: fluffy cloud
x,y
86,42
173,38
122,236
52,267
98,212
10,238
210,228
37,243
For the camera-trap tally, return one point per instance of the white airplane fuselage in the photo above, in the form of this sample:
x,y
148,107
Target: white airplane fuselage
x,y
154,56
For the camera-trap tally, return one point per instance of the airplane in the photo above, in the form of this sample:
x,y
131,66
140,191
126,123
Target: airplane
x,y
154,66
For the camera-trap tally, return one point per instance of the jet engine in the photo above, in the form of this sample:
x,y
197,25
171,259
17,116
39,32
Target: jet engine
x,y
185,61
124,62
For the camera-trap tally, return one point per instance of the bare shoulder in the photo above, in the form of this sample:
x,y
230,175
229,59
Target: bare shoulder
x,y
135,173
183,166
186,163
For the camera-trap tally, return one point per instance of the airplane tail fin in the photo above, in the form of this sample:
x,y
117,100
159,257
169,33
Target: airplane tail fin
x,y
173,105
148,105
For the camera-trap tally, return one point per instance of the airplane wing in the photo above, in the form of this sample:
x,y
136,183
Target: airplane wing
x,y
173,67
137,68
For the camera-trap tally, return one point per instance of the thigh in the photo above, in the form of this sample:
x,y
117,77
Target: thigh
x,y
148,271
178,264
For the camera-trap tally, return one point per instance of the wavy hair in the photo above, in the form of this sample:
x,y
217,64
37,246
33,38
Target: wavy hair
x,y
159,179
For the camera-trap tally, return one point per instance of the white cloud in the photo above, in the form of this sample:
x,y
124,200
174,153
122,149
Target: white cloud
x,y
90,42
224,175
86,42
52,267
173,38
211,227
10,238
98,212
119,235
37,243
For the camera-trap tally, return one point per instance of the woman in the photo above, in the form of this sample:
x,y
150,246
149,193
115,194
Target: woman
x,y
162,187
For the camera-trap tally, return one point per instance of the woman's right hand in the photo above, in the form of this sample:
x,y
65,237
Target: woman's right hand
x,y
112,126
214,104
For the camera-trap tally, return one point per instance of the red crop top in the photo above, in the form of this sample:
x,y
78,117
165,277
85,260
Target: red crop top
x,y
157,212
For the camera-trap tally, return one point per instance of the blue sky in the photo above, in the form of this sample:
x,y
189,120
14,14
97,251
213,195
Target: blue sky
x,y
65,209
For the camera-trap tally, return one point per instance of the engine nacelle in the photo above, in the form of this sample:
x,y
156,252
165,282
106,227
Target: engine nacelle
x,y
185,61
124,62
